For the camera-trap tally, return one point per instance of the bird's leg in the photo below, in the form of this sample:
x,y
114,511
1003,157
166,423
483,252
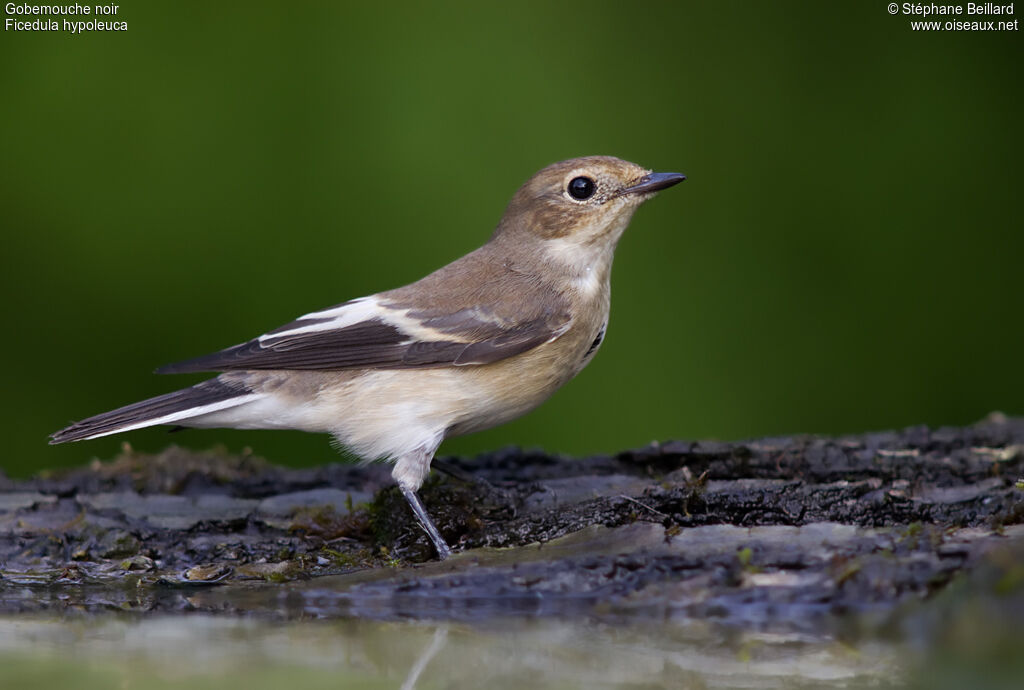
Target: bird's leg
x,y
453,470
456,472
409,473
443,551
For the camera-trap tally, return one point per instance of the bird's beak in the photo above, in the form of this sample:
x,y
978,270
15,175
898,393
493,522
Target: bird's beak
x,y
653,182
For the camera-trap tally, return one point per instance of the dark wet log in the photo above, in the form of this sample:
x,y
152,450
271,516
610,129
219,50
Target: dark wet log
x,y
729,530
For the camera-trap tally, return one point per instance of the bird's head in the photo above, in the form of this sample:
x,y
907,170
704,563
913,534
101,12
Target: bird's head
x,y
582,201
570,215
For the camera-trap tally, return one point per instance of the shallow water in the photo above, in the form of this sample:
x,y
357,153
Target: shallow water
x,y
204,651
969,635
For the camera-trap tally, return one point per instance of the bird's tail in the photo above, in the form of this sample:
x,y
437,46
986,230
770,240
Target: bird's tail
x,y
173,408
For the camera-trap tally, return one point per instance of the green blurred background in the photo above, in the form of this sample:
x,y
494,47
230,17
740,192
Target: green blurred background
x,y
845,255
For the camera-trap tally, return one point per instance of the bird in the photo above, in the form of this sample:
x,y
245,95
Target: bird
x,y
477,343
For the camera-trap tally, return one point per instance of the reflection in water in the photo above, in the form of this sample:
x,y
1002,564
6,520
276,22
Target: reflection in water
x,y
966,636
440,635
178,651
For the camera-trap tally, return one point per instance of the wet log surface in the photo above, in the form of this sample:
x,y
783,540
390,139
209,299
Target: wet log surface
x,y
776,532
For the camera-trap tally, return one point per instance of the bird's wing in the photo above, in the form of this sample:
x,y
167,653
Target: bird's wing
x,y
378,333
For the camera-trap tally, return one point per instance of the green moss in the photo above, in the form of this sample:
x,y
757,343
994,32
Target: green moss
x,y
746,558
847,570
342,559
910,535
1011,582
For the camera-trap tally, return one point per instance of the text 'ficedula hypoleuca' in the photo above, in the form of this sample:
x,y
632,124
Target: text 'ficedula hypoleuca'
x,y
474,344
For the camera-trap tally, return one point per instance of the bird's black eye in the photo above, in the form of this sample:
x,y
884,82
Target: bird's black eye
x,y
581,188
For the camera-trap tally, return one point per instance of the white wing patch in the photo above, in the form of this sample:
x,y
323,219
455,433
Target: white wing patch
x,y
370,309
348,314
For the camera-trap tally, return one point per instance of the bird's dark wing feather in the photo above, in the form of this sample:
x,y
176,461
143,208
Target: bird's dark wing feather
x,y
373,334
